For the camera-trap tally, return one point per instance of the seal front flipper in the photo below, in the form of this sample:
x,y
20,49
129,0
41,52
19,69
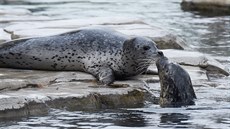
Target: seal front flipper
x,y
104,75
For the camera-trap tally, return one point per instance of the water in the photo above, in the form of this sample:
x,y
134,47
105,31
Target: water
x,y
207,34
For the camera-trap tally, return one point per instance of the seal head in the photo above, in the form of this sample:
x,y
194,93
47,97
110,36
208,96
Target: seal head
x,y
176,85
139,53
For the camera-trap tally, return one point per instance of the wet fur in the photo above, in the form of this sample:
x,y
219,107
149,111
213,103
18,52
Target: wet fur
x,y
176,85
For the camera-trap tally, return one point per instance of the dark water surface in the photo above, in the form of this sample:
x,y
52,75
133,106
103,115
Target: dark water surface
x,y
207,34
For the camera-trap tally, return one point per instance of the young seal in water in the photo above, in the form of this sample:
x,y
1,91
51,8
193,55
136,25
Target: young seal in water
x,y
102,52
176,85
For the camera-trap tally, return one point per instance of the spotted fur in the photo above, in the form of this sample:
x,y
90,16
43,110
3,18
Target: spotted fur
x,y
90,50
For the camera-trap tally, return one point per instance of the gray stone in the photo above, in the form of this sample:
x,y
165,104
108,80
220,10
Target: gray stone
x,y
15,11
23,18
209,6
129,26
31,92
164,39
13,79
72,23
33,1
11,14
197,59
4,36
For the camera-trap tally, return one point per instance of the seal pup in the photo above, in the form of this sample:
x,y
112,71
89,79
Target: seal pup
x,y
102,52
176,85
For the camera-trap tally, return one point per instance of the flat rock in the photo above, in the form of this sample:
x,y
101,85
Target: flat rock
x,y
198,75
31,92
34,92
210,6
14,11
191,58
13,79
72,23
10,14
210,2
164,39
4,36
129,26
33,1
23,18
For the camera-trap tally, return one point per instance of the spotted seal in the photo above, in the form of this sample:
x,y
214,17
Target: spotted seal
x,y
102,52
176,85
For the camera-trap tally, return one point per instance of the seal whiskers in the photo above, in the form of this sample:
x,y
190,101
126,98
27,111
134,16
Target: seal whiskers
x,y
143,64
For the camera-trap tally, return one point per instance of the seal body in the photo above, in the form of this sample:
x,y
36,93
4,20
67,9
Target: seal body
x,y
105,53
176,85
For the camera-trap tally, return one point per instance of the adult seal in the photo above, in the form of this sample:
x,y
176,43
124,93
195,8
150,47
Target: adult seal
x,y
176,85
102,52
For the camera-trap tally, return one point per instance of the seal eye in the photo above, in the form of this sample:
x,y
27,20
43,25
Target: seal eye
x,y
146,48
167,71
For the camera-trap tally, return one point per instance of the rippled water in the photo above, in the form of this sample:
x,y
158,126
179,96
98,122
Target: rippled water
x,y
207,34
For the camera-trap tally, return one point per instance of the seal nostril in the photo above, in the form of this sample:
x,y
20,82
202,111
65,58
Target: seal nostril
x,y
160,53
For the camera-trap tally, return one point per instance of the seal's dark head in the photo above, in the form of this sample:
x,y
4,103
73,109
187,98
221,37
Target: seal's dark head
x,y
176,86
142,51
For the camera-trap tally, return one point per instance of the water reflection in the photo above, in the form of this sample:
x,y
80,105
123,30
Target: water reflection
x,y
130,119
176,120
77,119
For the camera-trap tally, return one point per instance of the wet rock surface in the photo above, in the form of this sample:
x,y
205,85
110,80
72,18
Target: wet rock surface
x,y
213,7
197,59
4,36
31,92
129,26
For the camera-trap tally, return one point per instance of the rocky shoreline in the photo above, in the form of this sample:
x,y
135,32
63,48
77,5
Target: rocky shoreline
x,y
31,92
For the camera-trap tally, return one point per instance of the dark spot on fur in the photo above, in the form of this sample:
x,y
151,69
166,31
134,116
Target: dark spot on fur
x,y
54,65
53,57
63,67
11,53
80,57
2,62
17,62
